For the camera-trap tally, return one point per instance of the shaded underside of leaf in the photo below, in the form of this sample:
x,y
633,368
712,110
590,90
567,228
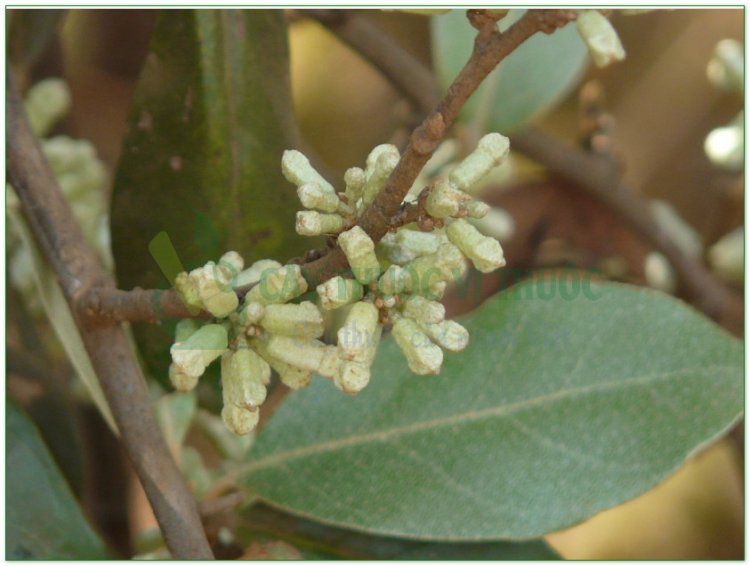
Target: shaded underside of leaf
x,y
43,520
211,117
537,75
559,408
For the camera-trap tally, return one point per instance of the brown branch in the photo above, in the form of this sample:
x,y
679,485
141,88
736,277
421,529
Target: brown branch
x,y
597,177
77,269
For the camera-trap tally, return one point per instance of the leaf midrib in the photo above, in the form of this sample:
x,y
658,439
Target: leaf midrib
x,y
469,416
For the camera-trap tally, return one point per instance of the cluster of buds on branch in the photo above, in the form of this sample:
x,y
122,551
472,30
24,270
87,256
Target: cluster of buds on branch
x,y
397,282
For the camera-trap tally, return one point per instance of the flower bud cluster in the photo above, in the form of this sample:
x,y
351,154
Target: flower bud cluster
x,y
397,282
80,174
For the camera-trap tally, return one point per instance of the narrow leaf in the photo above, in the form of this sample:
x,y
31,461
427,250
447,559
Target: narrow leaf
x,y
533,78
43,520
211,117
567,402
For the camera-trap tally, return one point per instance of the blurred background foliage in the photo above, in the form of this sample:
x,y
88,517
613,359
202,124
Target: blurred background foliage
x,y
663,106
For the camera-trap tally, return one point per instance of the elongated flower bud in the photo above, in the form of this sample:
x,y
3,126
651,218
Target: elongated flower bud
x,y
188,290
485,253
337,292
315,197
422,356
600,37
354,338
291,376
312,223
448,334
445,200
353,376
181,381
727,256
380,164
302,321
360,253
354,179
278,286
46,102
423,273
205,345
297,169
477,209
490,152
252,313
393,281
233,263
243,377
240,421
423,310
254,273
405,245
305,353
214,290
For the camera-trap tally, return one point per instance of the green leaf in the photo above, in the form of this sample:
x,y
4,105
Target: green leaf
x,y
322,542
43,520
536,76
201,161
567,402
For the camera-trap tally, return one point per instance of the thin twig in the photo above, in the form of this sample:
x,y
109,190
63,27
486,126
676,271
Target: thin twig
x,y
599,179
77,269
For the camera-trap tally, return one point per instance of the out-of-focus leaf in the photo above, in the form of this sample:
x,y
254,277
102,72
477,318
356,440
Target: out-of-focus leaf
x,y
316,541
43,520
30,32
211,117
175,413
533,78
59,315
567,402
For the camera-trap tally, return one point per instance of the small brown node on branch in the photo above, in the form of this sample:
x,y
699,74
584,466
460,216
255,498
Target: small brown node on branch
x,y
429,135
549,21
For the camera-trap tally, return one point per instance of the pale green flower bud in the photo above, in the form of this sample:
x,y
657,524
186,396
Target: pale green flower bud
x,y
354,178
485,253
315,197
445,200
278,286
313,223
297,170
253,273
360,253
303,320
659,273
393,281
423,310
194,354
188,290
252,313
337,292
600,37
477,209
422,356
448,334
727,256
491,151
498,224
305,354
291,376
725,146
405,244
726,70
353,376
46,102
239,421
181,381
330,362
424,273
232,262
355,337
380,164
215,293
185,329
243,377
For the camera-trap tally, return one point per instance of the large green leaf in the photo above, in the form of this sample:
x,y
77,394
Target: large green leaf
x,y
534,77
565,404
322,542
43,520
211,117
